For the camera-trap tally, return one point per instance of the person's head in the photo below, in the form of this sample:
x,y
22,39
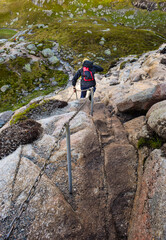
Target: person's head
x,y
85,59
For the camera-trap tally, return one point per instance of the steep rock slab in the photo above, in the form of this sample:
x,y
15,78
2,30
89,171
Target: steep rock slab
x,y
120,167
96,209
120,171
47,212
149,220
49,215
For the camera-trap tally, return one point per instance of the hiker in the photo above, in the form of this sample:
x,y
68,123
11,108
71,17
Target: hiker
x,y
87,76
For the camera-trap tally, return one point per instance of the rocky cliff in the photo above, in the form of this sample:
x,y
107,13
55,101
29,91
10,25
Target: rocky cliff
x,y
118,159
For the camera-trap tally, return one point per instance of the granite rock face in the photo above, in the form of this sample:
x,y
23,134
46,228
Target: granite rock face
x,y
118,187
104,179
149,220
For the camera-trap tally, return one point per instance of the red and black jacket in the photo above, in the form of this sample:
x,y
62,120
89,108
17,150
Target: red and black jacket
x,y
87,74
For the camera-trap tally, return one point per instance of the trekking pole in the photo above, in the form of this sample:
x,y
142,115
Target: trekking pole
x,y
69,156
76,95
92,100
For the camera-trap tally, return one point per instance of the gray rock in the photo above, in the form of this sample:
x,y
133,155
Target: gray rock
x,y
47,52
4,88
71,15
100,7
103,39
31,47
37,89
2,123
2,51
157,118
104,19
60,2
54,83
3,40
40,45
101,43
5,116
40,25
52,79
27,67
48,12
114,81
21,39
107,52
30,26
12,57
2,60
53,60
89,31
32,52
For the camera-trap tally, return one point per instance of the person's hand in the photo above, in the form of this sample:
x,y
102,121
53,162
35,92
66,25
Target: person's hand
x,y
74,89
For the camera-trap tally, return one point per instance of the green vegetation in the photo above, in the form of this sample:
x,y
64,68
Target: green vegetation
x,y
154,142
23,115
82,37
42,108
6,33
24,86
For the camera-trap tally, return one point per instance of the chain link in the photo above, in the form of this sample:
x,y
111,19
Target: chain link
x,y
31,193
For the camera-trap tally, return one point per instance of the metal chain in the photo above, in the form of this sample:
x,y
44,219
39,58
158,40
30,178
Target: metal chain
x,y
31,193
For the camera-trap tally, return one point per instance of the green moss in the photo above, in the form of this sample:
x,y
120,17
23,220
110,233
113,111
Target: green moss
x,y
38,108
153,142
22,115
123,64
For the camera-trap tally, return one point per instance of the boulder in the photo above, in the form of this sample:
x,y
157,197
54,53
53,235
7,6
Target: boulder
x,y
27,67
107,52
31,47
4,88
142,100
136,128
2,51
3,41
101,43
53,60
47,52
157,118
2,59
60,2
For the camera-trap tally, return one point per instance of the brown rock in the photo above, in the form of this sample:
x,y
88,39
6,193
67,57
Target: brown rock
x,y
134,128
143,100
149,220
